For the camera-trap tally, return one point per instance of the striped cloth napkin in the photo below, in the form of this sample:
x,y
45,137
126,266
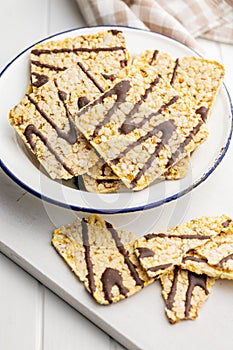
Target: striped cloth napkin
x,y
183,20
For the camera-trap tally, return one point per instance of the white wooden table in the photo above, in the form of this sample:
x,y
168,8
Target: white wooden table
x,y
31,316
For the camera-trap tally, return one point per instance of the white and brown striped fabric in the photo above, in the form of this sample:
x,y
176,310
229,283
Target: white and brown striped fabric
x,y
183,20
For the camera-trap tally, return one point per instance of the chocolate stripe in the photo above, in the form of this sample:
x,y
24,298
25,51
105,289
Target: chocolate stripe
x,y
123,63
41,79
123,251
174,72
144,252
193,258
154,57
168,235
203,111
226,223
76,49
86,245
159,267
194,280
106,181
88,74
160,127
110,278
82,101
224,260
29,131
111,77
167,128
172,293
128,126
175,156
120,90
115,31
48,66
71,136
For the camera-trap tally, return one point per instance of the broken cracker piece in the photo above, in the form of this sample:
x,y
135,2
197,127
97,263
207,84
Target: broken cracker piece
x,y
184,293
214,258
102,185
101,171
158,253
101,257
178,171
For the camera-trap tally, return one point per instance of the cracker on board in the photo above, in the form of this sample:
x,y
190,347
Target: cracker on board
x,y
214,258
102,257
159,252
184,293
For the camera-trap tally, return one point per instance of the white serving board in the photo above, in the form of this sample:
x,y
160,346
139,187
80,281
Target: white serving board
x,y
138,322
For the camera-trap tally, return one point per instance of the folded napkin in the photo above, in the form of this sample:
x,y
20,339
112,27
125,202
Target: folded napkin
x,y
183,20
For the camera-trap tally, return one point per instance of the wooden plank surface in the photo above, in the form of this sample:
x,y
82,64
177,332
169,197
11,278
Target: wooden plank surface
x,y
20,305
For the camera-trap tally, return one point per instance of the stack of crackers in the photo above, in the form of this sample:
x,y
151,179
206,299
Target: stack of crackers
x,y
186,259
94,113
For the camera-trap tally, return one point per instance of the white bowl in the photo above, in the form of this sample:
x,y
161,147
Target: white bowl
x,y
21,166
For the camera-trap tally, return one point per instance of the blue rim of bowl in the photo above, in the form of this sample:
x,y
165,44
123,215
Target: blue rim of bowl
x,y
120,210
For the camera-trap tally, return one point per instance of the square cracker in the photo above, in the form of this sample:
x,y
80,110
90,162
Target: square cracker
x,y
44,120
103,53
141,127
196,79
102,258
